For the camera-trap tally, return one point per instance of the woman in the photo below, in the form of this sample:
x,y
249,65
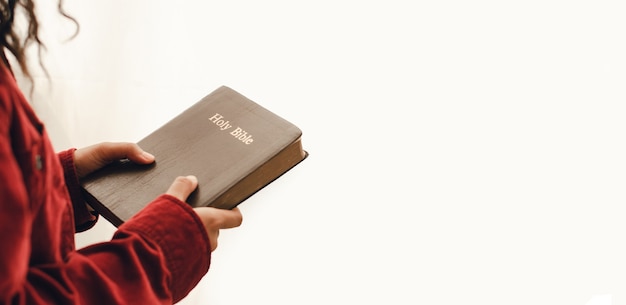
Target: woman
x,y
157,257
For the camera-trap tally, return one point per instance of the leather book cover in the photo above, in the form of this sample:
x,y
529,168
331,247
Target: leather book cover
x,y
233,145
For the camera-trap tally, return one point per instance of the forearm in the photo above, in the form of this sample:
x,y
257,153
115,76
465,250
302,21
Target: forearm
x,y
155,258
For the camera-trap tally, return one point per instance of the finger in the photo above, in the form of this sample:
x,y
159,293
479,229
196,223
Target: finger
x,y
232,218
221,218
109,152
182,187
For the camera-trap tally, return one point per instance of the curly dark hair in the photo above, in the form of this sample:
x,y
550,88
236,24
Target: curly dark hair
x,y
10,38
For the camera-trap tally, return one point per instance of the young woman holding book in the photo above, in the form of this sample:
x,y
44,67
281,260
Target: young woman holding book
x,y
157,257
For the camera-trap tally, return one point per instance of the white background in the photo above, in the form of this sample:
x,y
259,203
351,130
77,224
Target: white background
x,y
461,152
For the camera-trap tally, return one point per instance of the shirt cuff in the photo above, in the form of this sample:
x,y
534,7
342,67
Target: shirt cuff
x,y
84,216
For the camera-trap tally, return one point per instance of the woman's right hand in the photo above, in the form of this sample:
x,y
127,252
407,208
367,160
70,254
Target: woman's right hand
x,y
213,219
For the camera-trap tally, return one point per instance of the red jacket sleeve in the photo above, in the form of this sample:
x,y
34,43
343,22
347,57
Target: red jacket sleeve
x,y
84,218
163,250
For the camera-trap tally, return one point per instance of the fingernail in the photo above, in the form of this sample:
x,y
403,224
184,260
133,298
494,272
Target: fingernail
x,y
147,155
192,178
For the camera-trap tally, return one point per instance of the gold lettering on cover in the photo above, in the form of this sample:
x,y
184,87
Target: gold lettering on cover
x,y
242,136
238,132
217,119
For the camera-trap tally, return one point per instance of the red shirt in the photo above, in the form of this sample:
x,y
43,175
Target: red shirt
x,y
157,257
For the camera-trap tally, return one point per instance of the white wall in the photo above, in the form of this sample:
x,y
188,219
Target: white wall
x,y
461,152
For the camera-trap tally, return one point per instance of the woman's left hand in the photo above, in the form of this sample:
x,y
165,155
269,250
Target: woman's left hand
x,y
94,157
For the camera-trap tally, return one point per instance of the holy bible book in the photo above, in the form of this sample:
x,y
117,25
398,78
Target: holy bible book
x,y
233,145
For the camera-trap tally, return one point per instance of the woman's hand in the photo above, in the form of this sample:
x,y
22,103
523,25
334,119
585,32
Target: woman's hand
x,y
213,219
94,157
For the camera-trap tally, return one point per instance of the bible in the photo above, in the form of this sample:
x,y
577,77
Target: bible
x,y
233,145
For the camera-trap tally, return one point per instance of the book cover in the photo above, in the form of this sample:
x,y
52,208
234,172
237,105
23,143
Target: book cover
x,y
232,144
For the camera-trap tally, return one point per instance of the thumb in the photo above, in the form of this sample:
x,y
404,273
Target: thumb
x,y
110,152
182,187
96,156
